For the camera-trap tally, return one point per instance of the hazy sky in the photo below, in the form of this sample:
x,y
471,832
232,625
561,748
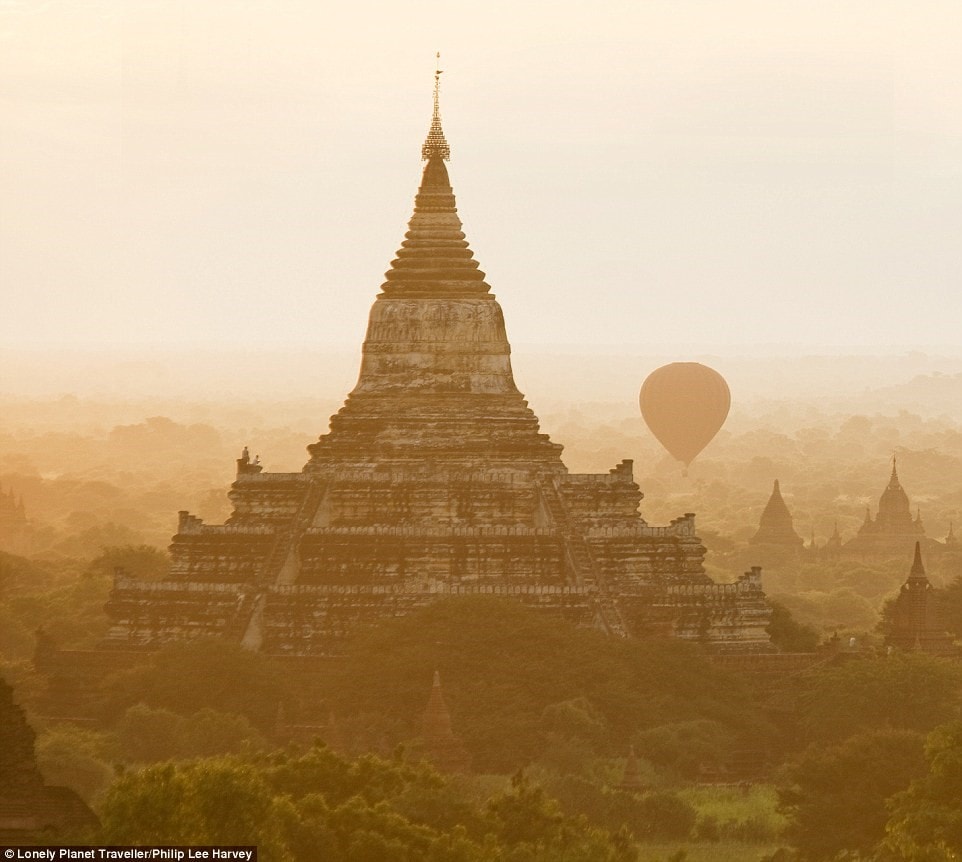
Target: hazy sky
x,y
674,173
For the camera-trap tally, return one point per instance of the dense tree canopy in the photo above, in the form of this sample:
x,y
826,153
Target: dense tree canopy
x,y
926,821
788,634
143,562
911,691
503,664
836,796
187,677
317,805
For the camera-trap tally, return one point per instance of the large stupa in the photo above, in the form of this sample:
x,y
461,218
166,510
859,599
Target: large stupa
x,y
434,480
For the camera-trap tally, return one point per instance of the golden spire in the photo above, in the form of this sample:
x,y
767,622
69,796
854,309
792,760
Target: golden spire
x,y
435,145
434,259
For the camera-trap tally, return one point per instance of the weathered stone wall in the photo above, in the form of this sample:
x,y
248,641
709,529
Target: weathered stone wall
x,y
602,500
221,555
428,559
147,615
724,617
440,345
452,499
630,557
266,499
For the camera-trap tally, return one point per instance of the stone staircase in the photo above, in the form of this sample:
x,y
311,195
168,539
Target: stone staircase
x,y
275,569
580,563
582,567
281,566
237,626
581,559
610,617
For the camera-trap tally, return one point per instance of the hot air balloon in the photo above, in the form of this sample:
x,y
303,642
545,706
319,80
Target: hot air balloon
x,y
684,404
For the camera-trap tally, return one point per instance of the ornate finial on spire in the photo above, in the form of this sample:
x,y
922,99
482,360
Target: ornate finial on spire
x,y
435,146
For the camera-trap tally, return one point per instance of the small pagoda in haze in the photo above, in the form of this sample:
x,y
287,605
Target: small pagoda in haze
x,y
775,527
441,746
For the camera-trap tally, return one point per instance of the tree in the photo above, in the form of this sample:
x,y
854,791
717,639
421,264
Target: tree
x,y
208,732
835,797
88,543
787,633
506,670
299,808
148,735
532,825
143,562
187,677
77,758
911,691
926,820
217,801
685,746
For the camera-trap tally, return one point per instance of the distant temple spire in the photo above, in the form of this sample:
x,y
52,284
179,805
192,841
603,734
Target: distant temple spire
x,y
775,525
436,723
894,478
442,747
950,536
435,145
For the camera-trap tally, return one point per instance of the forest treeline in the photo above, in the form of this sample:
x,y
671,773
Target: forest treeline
x,y
866,762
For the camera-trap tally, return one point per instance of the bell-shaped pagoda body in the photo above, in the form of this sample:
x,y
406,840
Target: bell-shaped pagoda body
x,y
434,480
435,380
775,527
